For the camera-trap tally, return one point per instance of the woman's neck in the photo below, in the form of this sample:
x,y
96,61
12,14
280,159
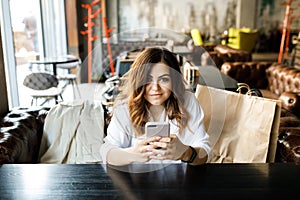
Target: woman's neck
x,y
156,111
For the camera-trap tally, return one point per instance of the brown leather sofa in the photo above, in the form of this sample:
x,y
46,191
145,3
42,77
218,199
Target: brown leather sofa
x,y
272,79
20,134
219,54
281,82
21,129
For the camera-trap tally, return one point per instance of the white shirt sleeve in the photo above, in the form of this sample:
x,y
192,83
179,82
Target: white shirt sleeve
x,y
119,131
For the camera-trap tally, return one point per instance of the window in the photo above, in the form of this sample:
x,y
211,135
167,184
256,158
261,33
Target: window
x,y
30,29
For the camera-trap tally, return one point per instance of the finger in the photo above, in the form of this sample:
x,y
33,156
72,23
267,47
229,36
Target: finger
x,y
152,139
148,148
159,152
163,145
148,154
165,139
157,156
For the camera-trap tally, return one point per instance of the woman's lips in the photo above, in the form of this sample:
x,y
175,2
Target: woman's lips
x,y
155,95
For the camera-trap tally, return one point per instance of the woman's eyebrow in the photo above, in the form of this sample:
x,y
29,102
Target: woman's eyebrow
x,y
159,76
164,75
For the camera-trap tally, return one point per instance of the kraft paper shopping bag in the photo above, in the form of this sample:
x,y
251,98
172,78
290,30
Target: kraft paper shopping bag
x,y
242,128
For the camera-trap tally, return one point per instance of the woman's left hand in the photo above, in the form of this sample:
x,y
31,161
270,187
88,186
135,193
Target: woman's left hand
x,y
168,148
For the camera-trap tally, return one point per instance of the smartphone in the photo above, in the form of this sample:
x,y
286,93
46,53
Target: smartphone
x,y
157,129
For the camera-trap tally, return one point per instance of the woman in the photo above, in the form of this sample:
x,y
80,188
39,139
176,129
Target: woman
x,y
154,90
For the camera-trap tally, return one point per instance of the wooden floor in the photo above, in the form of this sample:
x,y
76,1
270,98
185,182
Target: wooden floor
x,y
91,91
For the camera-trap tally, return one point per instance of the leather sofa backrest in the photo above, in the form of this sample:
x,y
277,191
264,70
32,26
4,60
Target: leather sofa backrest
x,y
251,73
222,54
283,78
20,134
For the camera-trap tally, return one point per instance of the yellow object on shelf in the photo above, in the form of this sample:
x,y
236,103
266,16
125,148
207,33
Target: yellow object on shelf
x,y
243,39
196,36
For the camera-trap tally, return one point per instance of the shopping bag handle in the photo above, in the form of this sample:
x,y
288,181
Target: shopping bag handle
x,y
241,86
250,92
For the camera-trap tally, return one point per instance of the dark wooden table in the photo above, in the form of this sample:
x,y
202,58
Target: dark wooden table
x,y
176,181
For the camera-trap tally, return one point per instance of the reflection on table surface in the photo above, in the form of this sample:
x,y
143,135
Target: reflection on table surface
x,y
175,181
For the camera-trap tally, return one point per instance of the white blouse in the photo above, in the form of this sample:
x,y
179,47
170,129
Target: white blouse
x,y
120,132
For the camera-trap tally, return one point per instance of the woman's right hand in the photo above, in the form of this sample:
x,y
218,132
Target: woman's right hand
x,y
143,149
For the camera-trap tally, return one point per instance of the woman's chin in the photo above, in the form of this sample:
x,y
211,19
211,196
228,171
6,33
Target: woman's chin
x,y
156,103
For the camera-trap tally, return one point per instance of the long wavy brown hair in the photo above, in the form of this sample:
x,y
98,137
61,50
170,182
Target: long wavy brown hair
x,y
134,83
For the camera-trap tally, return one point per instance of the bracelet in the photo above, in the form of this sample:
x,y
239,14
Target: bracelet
x,y
193,156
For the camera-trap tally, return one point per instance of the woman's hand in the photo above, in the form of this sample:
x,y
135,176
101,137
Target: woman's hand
x,y
143,149
168,148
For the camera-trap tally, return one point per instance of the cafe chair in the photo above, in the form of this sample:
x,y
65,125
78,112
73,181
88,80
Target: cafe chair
x,y
243,38
197,38
43,85
68,76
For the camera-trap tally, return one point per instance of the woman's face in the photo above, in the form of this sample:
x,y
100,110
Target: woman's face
x,y
159,84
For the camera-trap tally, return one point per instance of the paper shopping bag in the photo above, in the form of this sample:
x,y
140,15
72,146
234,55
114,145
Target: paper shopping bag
x,y
242,128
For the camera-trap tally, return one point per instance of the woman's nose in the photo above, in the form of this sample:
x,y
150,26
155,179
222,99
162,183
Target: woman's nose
x,y
155,85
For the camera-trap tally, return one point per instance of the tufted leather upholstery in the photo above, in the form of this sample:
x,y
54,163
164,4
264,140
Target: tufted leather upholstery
x,y
288,145
277,78
252,73
291,101
22,128
283,78
20,135
222,54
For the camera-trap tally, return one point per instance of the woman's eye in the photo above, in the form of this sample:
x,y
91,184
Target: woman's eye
x,y
165,80
149,80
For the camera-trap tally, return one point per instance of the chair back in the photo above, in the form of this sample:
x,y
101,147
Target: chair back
x,y
243,38
40,81
248,40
